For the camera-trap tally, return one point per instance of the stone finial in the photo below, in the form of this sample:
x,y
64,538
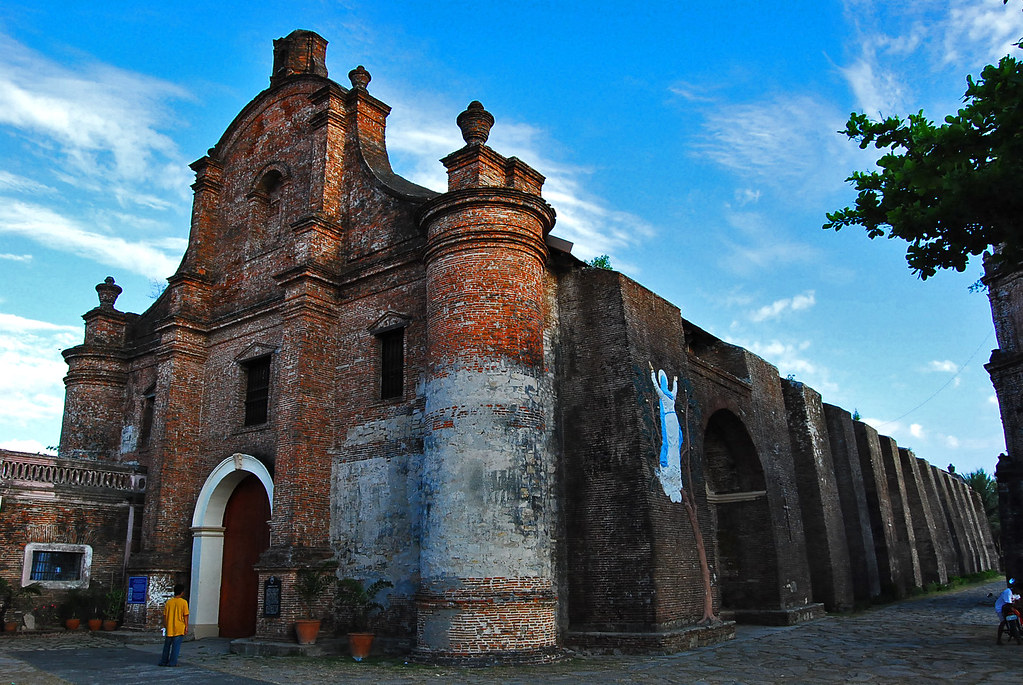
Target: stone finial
x,y
359,77
108,292
475,123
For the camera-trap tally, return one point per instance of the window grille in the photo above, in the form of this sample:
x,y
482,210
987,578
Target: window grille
x,y
392,364
56,565
257,391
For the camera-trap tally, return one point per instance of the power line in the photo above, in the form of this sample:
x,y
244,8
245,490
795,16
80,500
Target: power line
x,y
947,383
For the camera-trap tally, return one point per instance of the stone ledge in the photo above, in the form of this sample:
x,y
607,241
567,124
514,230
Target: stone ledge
x,y
779,617
667,642
248,646
543,655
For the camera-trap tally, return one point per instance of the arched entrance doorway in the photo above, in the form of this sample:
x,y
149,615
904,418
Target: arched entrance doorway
x,y
747,562
229,532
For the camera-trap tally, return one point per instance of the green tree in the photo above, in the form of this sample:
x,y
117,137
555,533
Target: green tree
x,y
601,262
951,191
987,488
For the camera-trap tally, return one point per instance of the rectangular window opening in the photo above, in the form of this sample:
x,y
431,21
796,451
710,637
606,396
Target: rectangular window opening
x,y
257,391
61,566
392,364
146,429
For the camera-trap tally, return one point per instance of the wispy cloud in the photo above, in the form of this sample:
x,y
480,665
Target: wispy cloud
x,y
102,123
58,232
756,243
19,184
16,257
778,307
945,366
895,43
421,131
787,141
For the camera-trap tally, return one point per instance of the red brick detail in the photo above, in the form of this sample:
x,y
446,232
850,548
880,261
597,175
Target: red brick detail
x,y
499,617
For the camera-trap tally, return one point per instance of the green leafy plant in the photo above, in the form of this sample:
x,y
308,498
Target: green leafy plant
x,y
114,604
951,190
11,594
74,604
310,585
601,262
356,602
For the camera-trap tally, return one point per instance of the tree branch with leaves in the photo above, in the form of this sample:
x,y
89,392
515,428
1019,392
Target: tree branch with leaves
x,y
951,191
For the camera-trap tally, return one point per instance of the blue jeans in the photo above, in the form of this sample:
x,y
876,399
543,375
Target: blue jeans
x,y
171,649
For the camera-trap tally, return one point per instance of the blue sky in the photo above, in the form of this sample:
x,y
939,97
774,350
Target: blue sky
x,y
695,143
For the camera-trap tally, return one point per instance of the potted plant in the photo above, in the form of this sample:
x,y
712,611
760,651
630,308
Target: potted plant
x,y
72,608
114,607
310,586
10,595
356,602
94,608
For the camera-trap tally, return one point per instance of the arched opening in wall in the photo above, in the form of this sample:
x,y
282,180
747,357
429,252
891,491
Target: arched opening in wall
x,y
746,558
266,200
230,531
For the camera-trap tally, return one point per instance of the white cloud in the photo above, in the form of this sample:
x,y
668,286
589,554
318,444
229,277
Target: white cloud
x,y
32,446
52,230
916,430
945,366
899,43
951,441
31,367
778,307
992,399
791,359
16,257
747,196
978,30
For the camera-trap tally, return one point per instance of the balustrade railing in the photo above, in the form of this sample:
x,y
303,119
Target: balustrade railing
x,y
52,471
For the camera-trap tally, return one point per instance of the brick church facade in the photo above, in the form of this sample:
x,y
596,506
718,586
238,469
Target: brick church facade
x,y
430,389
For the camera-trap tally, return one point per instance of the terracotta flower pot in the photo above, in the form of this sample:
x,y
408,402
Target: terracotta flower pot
x,y
72,623
109,625
11,626
95,623
306,631
359,644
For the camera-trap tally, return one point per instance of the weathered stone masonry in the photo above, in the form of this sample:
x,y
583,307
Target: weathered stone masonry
x,y
430,389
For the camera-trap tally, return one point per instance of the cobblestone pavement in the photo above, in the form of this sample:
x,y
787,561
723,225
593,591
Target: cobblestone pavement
x,y
948,637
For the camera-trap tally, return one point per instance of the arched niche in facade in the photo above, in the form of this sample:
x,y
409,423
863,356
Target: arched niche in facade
x,y
737,489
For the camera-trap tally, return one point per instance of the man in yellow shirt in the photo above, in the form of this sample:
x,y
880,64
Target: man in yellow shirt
x,y
175,624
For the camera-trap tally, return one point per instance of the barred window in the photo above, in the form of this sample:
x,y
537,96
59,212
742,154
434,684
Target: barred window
x,y
257,390
56,565
392,363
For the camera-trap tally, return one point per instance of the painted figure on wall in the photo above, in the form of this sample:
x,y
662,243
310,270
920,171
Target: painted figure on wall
x,y
669,471
674,457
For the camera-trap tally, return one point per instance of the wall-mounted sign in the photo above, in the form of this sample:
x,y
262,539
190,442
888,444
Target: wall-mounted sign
x,y
272,597
137,589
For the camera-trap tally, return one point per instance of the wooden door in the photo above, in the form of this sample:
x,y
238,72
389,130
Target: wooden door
x,y
246,536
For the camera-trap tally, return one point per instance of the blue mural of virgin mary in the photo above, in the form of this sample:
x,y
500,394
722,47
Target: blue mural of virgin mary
x,y
669,470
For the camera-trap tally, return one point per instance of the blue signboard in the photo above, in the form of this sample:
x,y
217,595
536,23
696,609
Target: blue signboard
x,y
137,589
